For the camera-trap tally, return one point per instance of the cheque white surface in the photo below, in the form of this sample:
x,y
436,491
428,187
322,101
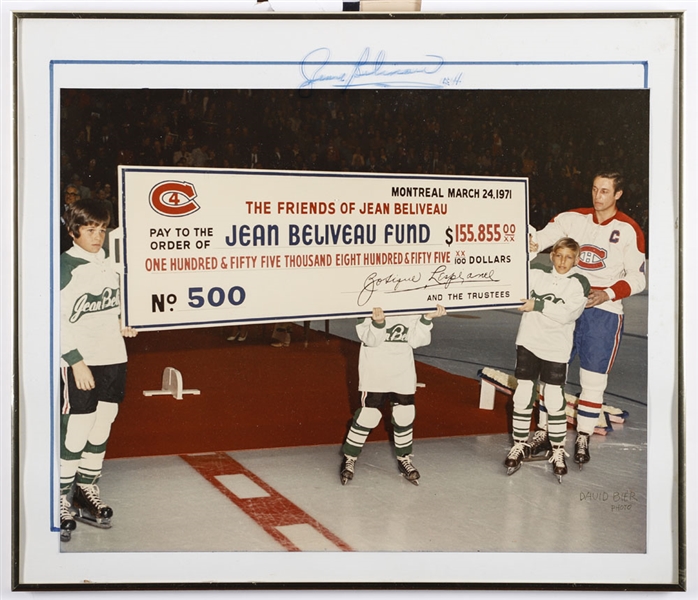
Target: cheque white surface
x,y
203,247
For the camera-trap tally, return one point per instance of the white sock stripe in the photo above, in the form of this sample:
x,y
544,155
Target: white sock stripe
x,y
90,473
91,463
557,428
358,433
356,439
406,433
517,418
68,469
521,424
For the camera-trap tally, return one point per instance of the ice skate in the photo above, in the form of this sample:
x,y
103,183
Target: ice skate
x,y
540,446
67,521
557,459
519,452
581,449
89,507
407,469
347,471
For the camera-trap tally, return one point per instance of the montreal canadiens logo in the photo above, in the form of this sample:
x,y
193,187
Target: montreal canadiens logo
x,y
592,258
174,198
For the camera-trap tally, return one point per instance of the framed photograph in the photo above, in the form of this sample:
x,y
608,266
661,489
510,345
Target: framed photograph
x,y
266,180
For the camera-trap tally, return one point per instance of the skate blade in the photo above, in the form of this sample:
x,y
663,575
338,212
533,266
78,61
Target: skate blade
x,y
346,476
537,457
88,520
512,470
412,481
559,478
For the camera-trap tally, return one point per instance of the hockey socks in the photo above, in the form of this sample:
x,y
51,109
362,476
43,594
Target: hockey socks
x,y
92,459
523,408
365,419
557,415
74,432
590,399
403,418
83,443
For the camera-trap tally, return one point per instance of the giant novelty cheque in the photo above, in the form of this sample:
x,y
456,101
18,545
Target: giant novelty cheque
x,y
206,247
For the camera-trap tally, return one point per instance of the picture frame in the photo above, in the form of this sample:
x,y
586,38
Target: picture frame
x,y
642,50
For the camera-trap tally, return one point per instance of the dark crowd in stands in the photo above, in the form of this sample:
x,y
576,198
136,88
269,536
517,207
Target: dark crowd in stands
x,y
556,138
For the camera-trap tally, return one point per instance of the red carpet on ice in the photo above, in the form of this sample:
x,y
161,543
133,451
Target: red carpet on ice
x,y
255,396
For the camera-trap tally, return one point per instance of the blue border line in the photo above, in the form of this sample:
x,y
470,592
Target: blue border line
x,y
52,199
287,63
349,63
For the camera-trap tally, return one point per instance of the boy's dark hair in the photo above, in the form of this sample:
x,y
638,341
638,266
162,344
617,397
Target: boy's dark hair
x,y
85,212
567,242
618,179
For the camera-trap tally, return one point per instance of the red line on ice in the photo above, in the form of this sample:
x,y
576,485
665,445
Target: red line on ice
x,y
269,512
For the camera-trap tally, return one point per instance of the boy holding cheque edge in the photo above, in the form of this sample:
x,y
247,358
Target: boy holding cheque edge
x,y
387,373
543,348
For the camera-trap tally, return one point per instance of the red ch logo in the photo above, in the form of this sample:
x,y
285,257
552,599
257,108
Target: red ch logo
x,y
592,258
174,198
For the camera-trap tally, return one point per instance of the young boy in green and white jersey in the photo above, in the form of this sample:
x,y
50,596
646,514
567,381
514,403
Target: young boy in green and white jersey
x,y
93,364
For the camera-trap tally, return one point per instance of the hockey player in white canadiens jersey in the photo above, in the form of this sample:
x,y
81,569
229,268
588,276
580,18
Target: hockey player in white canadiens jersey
x,y
612,258
387,373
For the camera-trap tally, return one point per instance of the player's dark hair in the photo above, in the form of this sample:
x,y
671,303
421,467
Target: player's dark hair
x,y
85,212
618,179
566,242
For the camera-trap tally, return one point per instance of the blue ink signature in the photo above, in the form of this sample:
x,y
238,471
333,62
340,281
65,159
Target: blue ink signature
x,y
315,68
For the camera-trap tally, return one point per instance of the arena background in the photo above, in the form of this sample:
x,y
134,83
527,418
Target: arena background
x,y
253,460
556,138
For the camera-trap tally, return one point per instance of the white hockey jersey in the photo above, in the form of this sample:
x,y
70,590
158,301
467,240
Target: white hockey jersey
x,y
612,253
90,309
548,329
386,358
